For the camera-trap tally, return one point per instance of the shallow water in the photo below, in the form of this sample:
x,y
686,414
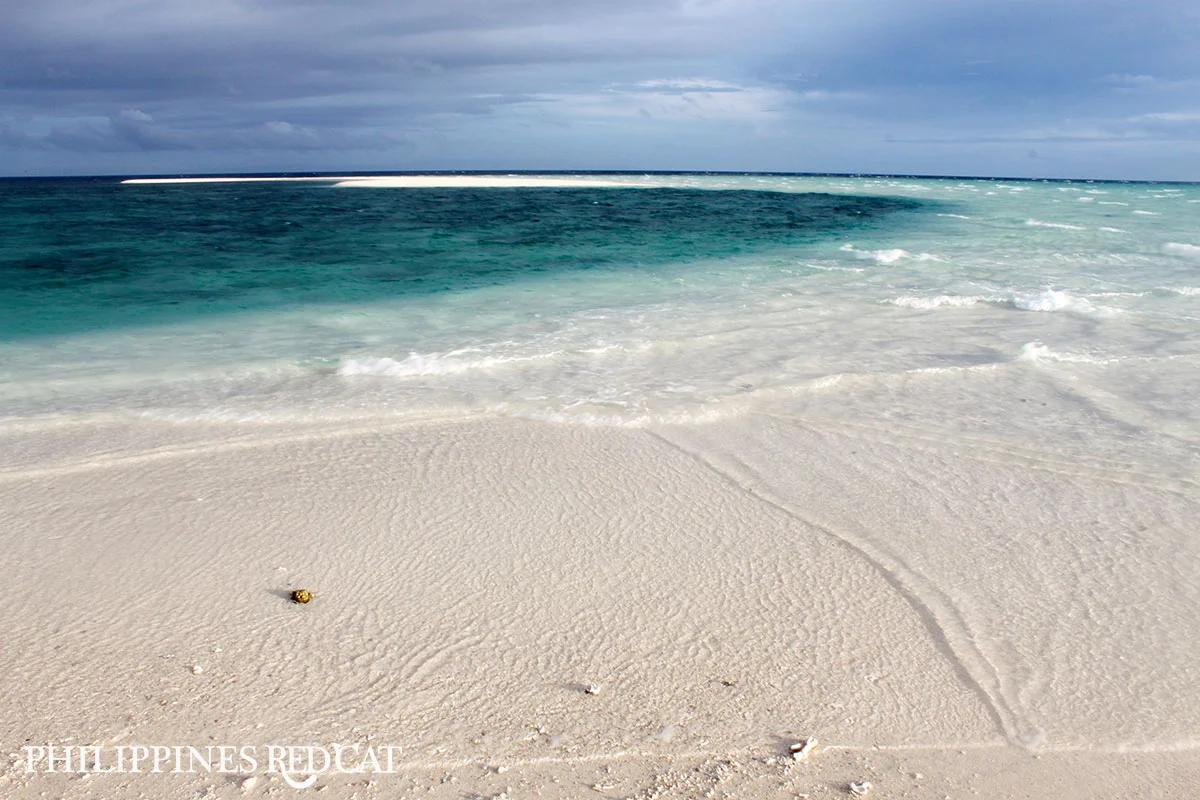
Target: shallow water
x,y
694,297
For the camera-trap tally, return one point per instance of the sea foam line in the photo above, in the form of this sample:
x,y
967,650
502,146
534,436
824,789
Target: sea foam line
x,y
914,301
887,256
1182,249
1048,300
1037,223
417,364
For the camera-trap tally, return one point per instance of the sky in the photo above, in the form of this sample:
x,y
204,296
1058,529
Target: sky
x,y
1015,88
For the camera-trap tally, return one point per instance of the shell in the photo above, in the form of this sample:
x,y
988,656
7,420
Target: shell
x,y
301,595
803,749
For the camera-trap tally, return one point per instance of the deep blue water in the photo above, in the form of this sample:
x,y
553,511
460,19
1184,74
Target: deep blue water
x,y
90,255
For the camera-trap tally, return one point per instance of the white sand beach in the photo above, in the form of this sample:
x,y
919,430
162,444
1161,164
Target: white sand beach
x,y
528,609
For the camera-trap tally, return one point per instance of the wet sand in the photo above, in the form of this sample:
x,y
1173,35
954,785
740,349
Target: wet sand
x,y
534,609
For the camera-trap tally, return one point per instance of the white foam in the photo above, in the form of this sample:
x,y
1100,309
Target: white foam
x,y
1189,291
835,269
887,256
1182,249
1113,230
826,381
418,364
1048,300
1147,213
913,301
949,370
1036,351
1052,300
1037,223
879,256
956,216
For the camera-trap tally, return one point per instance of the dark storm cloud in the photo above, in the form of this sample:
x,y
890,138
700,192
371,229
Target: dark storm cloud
x,y
268,50
591,83
242,66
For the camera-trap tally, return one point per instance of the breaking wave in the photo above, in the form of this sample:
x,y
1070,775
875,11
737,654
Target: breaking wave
x,y
1182,249
1037,223
890,256
421,365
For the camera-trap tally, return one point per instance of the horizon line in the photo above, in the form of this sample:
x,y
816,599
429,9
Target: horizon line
x,y
303,175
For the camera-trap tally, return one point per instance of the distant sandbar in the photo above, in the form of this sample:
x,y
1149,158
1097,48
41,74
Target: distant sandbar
x,y
417,181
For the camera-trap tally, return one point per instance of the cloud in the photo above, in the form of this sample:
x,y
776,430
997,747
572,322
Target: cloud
x,y
689,85
693,99
451,82
1169,116
132,130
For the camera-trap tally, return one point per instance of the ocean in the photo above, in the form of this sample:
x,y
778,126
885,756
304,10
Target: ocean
x,y
644,299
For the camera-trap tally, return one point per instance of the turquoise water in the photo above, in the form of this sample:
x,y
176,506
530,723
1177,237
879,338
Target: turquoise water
x,y
676,297
96,256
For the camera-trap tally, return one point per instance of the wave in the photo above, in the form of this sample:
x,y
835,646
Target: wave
x,y
913,301
835,269
1036,351
1052,300
887,256
1037,223
1182,249
1048,300
1189,291
418,364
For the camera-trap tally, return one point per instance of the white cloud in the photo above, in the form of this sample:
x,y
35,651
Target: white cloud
x,y
1147,84
694,99
686,84
1169,116
135,115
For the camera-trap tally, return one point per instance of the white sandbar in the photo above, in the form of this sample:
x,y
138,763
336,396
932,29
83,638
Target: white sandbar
x,y
415,181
